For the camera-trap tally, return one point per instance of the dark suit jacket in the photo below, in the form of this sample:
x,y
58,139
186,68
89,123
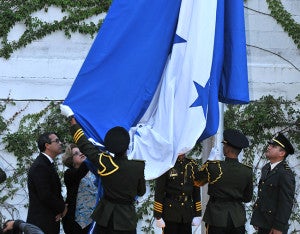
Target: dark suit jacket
x,y
45,199
274,203
230,184
122,181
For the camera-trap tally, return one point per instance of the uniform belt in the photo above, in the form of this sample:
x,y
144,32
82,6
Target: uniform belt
x,y
223,199
180,198
118,201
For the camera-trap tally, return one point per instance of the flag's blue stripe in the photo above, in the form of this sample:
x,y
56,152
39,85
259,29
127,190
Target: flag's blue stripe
x,y
229,78
122,70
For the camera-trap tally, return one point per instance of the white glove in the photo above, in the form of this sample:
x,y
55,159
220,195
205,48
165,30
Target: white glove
x,y
66,110
196,221
160,223
214,154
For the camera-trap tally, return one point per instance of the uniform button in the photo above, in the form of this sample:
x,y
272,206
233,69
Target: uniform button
x,y
181,173
170,205
255,204
182,204
183,194
260,190
181,183
263,182
270,211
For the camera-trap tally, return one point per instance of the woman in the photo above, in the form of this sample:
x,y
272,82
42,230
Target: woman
x,y
80,186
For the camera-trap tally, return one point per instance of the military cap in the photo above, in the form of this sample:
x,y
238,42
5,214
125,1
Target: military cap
x,y
117,140
282,141
235,138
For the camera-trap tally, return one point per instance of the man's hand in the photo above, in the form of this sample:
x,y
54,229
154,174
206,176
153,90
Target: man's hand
x,y
214,154
160,223
66,110
196,221
61,215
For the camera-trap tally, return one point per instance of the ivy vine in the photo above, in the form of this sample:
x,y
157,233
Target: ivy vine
x,y
285,19
76,15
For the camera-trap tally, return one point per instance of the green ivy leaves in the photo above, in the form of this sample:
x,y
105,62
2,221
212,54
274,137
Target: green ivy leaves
x,y
75,13
285,19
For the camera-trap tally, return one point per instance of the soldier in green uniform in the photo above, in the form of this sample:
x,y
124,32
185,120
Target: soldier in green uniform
x,y
122,180
177,204
229,186
276,190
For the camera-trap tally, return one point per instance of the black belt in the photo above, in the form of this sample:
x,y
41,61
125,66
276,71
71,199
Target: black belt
x,y
223,199
180,198
118,201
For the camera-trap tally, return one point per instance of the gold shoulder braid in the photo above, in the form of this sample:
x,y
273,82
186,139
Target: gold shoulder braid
x,y
209,174
108,165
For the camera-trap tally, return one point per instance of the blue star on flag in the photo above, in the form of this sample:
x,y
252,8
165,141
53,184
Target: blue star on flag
x,y
202,99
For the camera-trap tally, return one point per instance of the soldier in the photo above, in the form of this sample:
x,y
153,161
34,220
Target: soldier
x,y
177,204
276,189
122,180
229,185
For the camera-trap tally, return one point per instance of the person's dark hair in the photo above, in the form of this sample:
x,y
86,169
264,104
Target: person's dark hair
x,y
43,139
67,158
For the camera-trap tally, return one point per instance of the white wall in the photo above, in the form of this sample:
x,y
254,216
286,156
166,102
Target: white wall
x,y
45,69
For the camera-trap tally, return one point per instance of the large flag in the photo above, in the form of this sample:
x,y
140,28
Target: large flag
x,y
158,70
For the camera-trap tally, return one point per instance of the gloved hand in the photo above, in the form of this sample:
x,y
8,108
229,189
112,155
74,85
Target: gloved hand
x,y
196,221
160,223
214,154
66,110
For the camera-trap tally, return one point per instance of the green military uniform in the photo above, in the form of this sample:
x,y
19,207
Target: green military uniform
x,y
230,184
177,196
275,197
122,181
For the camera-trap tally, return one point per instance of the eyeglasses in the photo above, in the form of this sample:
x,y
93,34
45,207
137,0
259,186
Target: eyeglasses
x,y
56,140
77,153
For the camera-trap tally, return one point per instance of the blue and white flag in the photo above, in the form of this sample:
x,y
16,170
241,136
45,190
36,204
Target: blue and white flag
x,y
158,70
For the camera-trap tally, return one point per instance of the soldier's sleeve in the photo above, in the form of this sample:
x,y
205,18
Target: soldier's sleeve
x,y
85,146
285,199
248,192
197,200
159,196
141,190
196,191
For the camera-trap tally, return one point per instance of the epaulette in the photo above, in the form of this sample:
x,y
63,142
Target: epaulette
x,y
286,166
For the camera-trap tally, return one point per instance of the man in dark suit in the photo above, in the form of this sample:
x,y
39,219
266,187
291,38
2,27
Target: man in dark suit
x,y
46,204
177,204
122,180
276,190
229,185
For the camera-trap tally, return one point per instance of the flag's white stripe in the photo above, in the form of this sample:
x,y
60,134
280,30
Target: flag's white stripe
x,y
174,127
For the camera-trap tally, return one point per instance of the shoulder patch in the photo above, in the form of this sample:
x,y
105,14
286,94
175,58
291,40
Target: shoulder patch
x,y
286,166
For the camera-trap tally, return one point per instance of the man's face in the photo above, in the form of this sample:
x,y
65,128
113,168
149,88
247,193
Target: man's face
x,y
55,145
275,153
